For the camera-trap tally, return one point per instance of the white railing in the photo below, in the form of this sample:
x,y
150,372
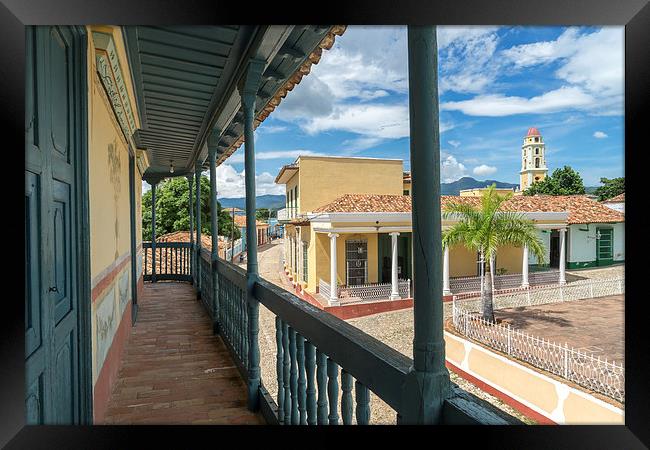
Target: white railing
x,y
591,372
324,288
370,291
283,214
236,250
375,291
513,280
576,290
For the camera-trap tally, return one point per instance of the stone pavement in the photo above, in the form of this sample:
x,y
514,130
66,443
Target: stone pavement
x,y
174,370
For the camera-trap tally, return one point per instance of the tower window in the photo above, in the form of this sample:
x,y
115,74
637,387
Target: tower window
x,y
537,151
536,163
536,139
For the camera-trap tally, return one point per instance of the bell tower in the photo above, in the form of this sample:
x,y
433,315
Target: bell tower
x,y
533,159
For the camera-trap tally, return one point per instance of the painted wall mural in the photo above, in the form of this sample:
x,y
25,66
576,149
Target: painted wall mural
x,y
125,290
106,324
114,164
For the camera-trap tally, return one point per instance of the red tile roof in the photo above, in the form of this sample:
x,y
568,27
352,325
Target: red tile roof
x,y
240,221
580,208
618,199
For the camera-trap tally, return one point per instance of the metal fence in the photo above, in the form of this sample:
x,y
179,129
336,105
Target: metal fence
x,y
577,290
594,373
370,291
510,281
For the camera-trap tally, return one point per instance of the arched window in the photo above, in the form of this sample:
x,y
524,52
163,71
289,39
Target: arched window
x,y
537,151
536,163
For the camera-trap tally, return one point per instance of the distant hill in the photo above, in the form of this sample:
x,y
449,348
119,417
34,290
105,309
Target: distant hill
x,y
455,187
261,201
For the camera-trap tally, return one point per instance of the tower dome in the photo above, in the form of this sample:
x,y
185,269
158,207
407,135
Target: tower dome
x,y
532,131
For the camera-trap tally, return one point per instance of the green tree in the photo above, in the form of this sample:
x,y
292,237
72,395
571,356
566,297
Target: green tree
x,y
564,181
172,213
262,214
485,229
610,188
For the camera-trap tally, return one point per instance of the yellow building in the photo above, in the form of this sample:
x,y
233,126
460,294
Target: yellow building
x,y
350,230
533,159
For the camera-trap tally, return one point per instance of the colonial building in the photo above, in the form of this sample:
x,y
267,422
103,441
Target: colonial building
x,y
616,203
341,245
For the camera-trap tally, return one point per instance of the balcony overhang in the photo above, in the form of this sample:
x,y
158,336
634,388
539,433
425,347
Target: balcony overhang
x,y
186,78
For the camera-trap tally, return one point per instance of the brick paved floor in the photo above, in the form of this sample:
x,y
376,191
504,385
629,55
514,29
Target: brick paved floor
x,y
592,325
174,370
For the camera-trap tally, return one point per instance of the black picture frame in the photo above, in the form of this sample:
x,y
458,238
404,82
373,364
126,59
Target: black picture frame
x,y
633,14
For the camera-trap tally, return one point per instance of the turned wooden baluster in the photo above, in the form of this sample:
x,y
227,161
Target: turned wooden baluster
x,y
321,377
293,377
310,366
302,382
279,368
333,391
363,403
285,379
346,400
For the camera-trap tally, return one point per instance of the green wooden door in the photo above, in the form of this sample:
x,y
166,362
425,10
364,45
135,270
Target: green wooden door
x,y
605,246
53,380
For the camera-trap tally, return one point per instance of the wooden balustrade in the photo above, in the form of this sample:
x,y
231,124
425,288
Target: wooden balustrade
x,y
172,261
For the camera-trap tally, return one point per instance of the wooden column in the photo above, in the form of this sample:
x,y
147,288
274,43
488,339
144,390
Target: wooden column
x,y
394,280
190,181
524,268
446,289
248,88
214,226
153,231
334,298
427,384
197,258
562,255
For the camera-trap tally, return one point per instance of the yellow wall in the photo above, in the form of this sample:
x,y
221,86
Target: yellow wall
x,y
462,262
322,180
109,204
510,258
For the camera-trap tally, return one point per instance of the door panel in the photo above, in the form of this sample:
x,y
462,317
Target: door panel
x,y
53,388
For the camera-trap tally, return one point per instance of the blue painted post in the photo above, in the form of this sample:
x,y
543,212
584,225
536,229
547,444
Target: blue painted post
x,y
293,377
197,177
346,398
310,366
427,384
279,368
302,382
333,391
153,231
362,395
321,377
248,90
214,225
286,374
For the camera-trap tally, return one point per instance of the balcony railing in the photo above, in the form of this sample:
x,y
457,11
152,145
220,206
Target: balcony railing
x,y
320,358
168,261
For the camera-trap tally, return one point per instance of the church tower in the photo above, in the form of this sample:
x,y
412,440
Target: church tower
x,y
533,161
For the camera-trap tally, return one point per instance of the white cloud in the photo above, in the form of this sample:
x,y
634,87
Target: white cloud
x,y
495,105
454,144
484,170
600,135
231,184
271,128
451,169
238,156
374,120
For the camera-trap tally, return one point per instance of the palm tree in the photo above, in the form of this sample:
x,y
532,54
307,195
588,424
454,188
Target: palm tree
x,y
485,229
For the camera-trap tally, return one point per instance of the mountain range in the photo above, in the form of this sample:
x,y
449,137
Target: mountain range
x,y
271,201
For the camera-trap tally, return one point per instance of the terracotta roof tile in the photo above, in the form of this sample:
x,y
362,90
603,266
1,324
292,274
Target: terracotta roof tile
x,y
580,208
619,198
240,221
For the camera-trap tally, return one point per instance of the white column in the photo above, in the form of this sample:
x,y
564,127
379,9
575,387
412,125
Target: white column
x,y
334,299
562,255
394,292
524,268
446,290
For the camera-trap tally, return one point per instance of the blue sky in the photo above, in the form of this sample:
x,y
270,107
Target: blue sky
x,y
494,83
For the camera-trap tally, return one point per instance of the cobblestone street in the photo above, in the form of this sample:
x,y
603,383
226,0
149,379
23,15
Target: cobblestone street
x,y
393,328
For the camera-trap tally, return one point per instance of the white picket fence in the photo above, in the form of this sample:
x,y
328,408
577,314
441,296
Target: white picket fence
x,y
370,291
594,373
576,290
